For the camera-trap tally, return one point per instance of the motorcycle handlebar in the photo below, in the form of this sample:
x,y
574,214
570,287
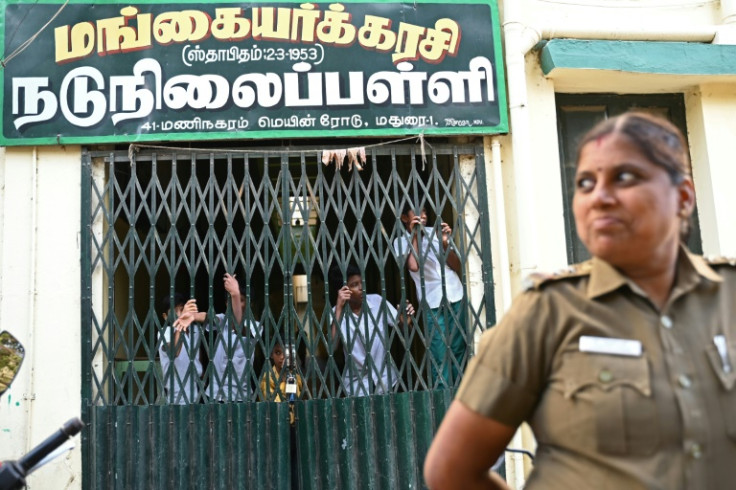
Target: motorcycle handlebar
x,y
13,473
69,429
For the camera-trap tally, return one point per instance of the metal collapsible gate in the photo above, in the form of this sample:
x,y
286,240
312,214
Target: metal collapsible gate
x,y
161,221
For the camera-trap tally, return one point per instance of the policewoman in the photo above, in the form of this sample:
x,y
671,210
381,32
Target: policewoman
x,y
624,365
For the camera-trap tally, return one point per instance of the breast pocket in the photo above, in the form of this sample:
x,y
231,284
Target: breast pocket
x,y
727,379
618,391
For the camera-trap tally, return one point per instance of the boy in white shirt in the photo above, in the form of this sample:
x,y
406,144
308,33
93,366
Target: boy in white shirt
x,y
363,330
234,348
179,351
440,289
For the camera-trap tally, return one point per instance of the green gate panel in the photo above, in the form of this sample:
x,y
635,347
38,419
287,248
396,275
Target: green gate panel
x,y
197,446
376,442
163,220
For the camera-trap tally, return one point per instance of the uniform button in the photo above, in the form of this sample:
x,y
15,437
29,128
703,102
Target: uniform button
x,y
605,376
684,381
666,321
696,451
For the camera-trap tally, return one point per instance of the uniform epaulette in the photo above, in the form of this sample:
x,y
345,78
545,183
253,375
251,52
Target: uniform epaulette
x,y
720,260
536,280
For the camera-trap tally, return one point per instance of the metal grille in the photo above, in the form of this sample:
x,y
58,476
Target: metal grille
x,y
166,221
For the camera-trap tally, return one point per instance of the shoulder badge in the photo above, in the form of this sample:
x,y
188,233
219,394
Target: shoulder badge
x,y
536,280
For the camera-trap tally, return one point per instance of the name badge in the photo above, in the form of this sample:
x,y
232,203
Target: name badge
x,y
606,345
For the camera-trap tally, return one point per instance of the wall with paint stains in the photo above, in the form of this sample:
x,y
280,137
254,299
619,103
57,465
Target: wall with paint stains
x,y
40,301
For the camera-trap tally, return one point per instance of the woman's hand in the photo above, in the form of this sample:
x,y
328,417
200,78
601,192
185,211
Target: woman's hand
x,y
464,449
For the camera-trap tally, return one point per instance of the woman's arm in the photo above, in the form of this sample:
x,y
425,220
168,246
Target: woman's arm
x,y
464,449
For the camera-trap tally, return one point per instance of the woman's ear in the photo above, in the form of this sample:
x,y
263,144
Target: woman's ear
x,y
686,195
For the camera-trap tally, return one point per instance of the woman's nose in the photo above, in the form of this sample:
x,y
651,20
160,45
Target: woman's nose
x,y
603,195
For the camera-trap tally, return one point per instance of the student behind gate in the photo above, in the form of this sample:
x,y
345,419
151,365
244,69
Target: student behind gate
x,y
439,291
364,332
234,347
273,381
179,350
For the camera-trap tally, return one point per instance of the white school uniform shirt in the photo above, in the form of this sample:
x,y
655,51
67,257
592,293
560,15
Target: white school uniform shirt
x,y
232,384
429,247
180,382
368,333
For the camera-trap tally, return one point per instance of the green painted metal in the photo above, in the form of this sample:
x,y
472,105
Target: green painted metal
x,y
194,446
85,247
672,58
174,220
376,442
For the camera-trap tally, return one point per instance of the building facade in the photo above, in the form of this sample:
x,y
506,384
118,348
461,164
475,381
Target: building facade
x,y
95,229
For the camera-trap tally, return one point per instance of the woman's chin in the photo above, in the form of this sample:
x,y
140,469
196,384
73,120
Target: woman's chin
x,y
609,248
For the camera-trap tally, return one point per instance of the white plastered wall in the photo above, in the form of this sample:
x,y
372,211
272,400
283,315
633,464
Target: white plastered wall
x,y
533,192
712,131
40,301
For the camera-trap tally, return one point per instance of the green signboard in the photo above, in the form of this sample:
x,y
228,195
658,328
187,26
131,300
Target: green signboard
x,y
82,72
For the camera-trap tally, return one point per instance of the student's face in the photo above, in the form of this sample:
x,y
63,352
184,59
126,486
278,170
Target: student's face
x,y
278,357
355,284
409,216
177,312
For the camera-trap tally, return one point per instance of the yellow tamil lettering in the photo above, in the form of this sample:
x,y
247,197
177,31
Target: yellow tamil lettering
x,y
304,23
114,35
268,26
180,27
336,28
443,39
407,45
75,43
229,25
376,34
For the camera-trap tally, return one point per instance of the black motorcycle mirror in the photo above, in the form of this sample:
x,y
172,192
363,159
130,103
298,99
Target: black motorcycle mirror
x,y
13,473
11,357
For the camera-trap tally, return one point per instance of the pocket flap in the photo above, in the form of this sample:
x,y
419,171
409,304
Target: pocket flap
x,y
605,372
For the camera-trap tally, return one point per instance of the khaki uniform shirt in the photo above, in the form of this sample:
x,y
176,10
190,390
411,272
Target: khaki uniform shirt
x,y
664,419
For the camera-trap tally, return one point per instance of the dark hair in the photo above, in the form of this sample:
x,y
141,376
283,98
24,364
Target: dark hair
x,y
409,206
337,280
657,138
165,303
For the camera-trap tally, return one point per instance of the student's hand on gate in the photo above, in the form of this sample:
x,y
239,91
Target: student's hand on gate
x,y
343,296
415,221
446,234
187,316
408,314
231,284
